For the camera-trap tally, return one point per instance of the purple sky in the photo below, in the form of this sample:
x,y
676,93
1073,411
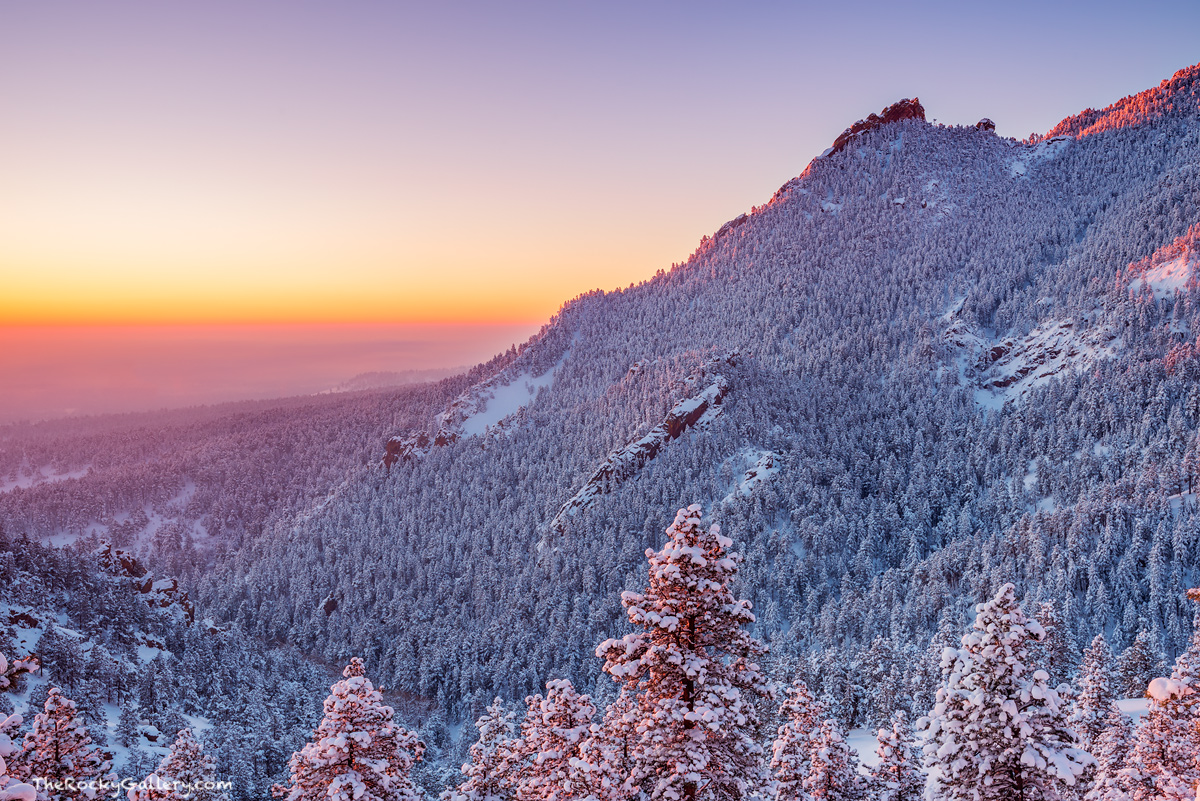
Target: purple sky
x,y
463,162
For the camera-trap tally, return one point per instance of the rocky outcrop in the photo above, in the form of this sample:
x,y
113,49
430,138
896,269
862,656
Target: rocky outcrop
x,y
732,224
162,593
23,619
904,110
985,125
624,463
1010,367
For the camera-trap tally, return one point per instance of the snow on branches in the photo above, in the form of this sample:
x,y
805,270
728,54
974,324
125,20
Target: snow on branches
x,y
358,753
690,666
998,730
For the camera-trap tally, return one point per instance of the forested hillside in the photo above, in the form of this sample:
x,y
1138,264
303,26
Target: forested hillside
x,y
946,360
939,369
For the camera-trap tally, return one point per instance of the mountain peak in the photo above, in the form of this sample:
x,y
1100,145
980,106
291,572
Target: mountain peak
x,y
905,109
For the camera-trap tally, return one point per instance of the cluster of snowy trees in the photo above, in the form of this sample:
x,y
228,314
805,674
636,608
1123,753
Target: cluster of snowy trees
x,y
688,720
117,659
57,760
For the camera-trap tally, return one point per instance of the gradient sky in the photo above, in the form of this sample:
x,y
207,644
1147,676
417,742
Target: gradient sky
x,y
407,185
447,162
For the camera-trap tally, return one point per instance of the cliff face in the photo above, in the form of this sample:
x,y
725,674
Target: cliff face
x,y
903,110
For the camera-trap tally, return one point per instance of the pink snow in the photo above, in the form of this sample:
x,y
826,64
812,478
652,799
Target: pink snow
x,y
1164,279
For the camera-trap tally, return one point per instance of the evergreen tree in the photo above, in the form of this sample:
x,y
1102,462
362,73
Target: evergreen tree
x,y
691,669
791,752
139,762
998,730
551,735
128,727
358,753
490,771
58,749
1096,695
1138,665
898,775
833,774
1164,761
1111,750
185,773
1054,653
605,757
11,787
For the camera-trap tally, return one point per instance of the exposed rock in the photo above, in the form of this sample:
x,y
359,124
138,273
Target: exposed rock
x,y
23,619
1010,367
160,594
729,226
624,463
329,605
405,448
985,125
120,563
904,110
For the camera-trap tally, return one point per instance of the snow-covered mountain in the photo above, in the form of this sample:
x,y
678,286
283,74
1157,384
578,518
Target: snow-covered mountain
x,y
936,361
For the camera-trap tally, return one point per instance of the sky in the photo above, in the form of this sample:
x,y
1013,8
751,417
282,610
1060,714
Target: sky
x,y
462,169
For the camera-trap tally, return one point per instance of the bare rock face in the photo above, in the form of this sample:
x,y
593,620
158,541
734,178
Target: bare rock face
x,y
903,110
707,388
161,593
985,125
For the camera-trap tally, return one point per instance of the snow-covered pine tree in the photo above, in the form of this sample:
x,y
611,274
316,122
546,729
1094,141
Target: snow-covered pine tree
x,y
898,775
128,727
833,774
1091,705
1165,760
1138,665
140,762
925,676
490,771
998,731
185,773
358,753
12,788
605,758
552,732
1111,750
791,752
1054,653
691,667
58,748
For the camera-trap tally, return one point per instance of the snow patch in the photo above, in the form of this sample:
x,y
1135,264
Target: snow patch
x,y
864,741
1135,708
485,405
1167,278
503,401
1042,151
27,478
757,467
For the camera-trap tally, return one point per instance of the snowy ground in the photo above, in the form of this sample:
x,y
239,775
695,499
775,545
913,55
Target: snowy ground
x,y
1135,708
1164,279
1042,151
43,475
505,400
754,467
